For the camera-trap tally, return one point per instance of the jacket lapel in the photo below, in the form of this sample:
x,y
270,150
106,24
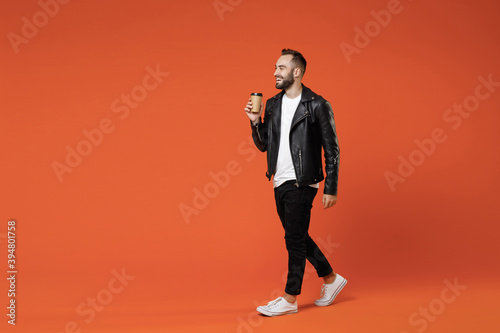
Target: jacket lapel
x,y
300,114
276,114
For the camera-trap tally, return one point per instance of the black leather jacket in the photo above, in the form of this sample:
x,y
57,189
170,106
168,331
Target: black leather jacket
x,y
312,128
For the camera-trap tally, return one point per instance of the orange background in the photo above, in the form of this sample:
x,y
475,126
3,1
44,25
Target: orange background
x,y
121,207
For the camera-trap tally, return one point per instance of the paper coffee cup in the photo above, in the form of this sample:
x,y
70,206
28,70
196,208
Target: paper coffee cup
x,y
256,100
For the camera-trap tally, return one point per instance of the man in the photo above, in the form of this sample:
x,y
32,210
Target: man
x,y
297,124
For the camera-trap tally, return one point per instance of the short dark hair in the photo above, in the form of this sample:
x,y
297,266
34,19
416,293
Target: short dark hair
x,y
298,59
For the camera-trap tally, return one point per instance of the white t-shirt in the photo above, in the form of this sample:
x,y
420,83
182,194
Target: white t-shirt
x,y
284,166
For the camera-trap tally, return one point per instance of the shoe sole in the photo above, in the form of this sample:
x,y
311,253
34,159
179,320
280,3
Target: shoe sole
x,y
274,314
334,295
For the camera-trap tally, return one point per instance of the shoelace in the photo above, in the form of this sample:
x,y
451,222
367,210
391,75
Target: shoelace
x,y
323,290
274,302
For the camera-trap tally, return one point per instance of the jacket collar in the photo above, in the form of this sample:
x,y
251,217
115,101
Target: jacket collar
x,y
301,112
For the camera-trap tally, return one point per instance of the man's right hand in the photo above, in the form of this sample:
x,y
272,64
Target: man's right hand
x,y
254,117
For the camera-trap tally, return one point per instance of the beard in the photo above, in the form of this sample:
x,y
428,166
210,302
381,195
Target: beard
x,y
286,81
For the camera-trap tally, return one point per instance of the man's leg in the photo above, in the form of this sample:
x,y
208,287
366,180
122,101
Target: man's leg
x,y
287,303
319,261
333,283
294,208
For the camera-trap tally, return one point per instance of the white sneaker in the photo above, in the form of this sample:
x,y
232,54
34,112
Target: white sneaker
x,y
330,291
278,307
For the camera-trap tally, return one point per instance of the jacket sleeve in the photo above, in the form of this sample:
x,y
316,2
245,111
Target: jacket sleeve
x,y
330,146
260,132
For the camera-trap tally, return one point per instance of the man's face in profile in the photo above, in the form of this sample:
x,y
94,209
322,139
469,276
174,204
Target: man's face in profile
x,y
284,72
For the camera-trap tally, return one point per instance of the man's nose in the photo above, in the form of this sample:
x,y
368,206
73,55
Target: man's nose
x,y
276,72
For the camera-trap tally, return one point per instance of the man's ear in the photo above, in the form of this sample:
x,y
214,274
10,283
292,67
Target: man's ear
x,y
296,72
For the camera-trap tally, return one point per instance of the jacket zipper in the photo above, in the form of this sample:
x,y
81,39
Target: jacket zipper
x,y
270,135
300,163
306,114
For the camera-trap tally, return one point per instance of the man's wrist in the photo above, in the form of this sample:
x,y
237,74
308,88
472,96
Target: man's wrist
x,y
255,123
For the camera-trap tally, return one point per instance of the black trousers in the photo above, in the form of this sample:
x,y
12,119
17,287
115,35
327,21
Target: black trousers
x,y
294,209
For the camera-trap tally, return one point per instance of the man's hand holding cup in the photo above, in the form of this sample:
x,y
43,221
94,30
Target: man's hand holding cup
x,y
254,107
